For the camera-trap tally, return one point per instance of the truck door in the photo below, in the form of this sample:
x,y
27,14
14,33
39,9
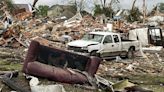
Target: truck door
x,y
117,45
107,46
155,36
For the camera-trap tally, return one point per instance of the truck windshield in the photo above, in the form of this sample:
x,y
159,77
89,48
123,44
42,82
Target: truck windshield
x,y
93,37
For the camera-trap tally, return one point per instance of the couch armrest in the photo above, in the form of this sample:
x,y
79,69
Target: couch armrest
x,y
31,56
92,65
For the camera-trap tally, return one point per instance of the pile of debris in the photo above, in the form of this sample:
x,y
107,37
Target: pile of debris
x,y
79,69
152,64
46,60
19,33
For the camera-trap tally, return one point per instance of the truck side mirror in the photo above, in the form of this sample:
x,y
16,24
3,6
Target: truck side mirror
x,y
105,42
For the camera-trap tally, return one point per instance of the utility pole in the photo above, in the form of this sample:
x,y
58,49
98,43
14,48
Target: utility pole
x,y
144,11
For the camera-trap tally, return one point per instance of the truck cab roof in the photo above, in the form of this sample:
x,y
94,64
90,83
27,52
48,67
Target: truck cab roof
x,y
103,33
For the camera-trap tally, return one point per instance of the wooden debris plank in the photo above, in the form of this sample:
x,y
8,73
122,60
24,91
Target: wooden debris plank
x,y
17,39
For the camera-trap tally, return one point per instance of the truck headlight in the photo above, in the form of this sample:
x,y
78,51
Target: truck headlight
x,y
67,46
84,48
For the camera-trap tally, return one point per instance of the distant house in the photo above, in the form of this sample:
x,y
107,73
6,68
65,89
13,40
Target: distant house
x,y
121,14
61,10
20,8
101,18
27,7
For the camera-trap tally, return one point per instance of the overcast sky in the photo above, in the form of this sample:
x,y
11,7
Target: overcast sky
x,y
124,4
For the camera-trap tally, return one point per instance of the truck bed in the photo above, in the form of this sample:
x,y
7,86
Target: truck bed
x,y
128,43
126,40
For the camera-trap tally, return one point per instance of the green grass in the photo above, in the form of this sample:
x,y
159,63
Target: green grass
x,y
151,82
8,66
146,79
154,83
154,88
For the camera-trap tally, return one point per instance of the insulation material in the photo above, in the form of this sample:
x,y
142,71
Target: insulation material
x,y
35,87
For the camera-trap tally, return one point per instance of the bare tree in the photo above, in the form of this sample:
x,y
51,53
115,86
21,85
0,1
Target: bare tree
x,y
33,8
79,4
104,3
134,13
133,5
113,2
105,7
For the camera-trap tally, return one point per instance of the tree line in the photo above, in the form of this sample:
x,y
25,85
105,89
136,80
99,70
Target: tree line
x,y
106,7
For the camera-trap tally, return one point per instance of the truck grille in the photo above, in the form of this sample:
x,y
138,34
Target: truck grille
x,y
77,49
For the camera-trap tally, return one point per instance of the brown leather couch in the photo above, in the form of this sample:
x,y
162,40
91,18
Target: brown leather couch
x,y
59,65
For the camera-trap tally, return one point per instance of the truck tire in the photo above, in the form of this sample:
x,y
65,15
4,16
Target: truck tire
x,y
130,53
94,53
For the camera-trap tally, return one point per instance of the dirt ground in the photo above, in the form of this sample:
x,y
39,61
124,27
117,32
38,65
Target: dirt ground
x,y
145,72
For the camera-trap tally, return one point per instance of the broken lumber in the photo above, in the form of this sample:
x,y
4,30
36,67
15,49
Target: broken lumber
x,y
18,39
4,72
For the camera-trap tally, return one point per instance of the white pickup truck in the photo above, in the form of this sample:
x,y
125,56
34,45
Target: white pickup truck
x,y
104,45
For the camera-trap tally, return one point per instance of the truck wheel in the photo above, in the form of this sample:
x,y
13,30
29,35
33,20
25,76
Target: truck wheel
x,y
94,53
130,53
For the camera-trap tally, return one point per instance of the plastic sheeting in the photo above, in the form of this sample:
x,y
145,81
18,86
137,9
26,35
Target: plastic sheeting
x,y
139,34
44,88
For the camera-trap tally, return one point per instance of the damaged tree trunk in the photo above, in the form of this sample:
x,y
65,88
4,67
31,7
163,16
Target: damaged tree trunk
x,y
133,5
144,11
33,8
